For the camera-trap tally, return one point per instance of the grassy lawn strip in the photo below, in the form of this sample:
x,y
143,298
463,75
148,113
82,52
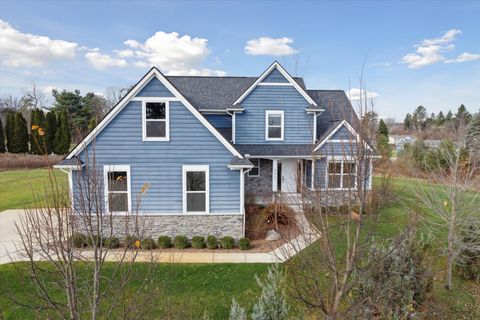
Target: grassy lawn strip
x,y
187,290
17,187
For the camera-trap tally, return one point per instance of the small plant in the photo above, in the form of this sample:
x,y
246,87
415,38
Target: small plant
x,y
78,240
212,242
227,242
198,242
164,242
181,242
130,242
111,242
148,243
95,239
244,244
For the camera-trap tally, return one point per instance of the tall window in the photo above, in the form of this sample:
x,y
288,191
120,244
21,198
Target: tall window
x,y
255,171
342,175
274,125
156,121
117,188
308,174
196,189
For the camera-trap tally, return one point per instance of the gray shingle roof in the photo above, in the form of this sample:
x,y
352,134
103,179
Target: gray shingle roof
x,y
240,162
275,149
215,93
70,162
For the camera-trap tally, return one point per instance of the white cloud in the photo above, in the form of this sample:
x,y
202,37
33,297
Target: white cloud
x,y
270,46
102,61
18,49
47,90
127,53
430,51
464,57
355,94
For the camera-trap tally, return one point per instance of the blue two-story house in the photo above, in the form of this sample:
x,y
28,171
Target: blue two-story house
x,y
185,152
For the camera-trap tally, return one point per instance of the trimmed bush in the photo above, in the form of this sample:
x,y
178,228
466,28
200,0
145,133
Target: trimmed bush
x,y
130,241
148,244
244,244
111,242
164,242
181,242
78,240
212,242
227,242
198,242
94,239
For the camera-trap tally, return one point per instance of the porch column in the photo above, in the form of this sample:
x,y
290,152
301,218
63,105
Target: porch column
x,y
274,174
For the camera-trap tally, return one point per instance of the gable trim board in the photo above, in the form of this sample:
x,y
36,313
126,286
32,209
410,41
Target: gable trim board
x,y
285,74
341,124
154,72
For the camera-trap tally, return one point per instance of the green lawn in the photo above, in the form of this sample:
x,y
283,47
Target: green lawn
x,y
17,187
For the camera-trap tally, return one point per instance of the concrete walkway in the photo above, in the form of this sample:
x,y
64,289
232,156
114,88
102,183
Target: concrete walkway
x,y
9,240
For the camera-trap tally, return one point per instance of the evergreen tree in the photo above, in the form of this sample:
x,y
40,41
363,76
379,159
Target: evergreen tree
x,y
50,130
9,128
382,140
462,116
2,138
472,136
449,116
37,142
407,123
20,134
440,120
272,304
237,312
419,118
62,136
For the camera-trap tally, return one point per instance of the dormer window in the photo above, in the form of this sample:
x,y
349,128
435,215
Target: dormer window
x,y
156,121
274,125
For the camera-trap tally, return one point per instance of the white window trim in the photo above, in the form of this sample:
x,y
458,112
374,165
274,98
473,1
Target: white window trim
x,y
198,168
341,174
276,113
255,166
167,120
113,168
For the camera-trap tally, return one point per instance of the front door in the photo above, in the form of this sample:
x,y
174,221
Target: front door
x,y
289,176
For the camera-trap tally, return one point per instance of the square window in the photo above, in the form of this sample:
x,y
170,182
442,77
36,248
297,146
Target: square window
x,y
118,202
196,181
196,202
117,181
274,120
274,132
156,129
155,110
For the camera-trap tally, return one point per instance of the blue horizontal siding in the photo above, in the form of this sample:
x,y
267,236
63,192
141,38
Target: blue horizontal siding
x,y
220,120
250,125
160,163
154,88
338,149
320,173
342,134
275,76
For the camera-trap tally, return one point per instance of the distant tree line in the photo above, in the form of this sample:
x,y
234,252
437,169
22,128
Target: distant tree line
x,y
420,121
30,126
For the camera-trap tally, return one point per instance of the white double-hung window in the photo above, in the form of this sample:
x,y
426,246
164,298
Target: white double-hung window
x,y
342,174
117,188
274,125
196,189
155,122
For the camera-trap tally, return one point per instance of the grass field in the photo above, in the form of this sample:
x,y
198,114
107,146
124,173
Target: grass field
x,y
17,187
192,289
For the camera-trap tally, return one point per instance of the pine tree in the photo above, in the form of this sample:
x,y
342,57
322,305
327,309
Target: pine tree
x,y
50,130
37,138
237,312
272,304
440,121
472,136
382,140
2,138
9,128
62,137
20,134
407,123
449,116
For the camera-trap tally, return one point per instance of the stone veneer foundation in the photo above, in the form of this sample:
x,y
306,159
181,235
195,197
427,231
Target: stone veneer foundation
x,y
173,225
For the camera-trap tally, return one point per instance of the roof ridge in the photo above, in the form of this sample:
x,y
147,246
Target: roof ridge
x,y
327,90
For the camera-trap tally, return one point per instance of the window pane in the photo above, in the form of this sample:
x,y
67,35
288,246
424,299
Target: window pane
x,y
156,129
348,167
118,202
253,172
274,120
196,181
117,181
275,132
334,181
349,181
155,110
196,202
334,167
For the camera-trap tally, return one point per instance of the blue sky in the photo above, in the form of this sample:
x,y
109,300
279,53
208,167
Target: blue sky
x,y
414,52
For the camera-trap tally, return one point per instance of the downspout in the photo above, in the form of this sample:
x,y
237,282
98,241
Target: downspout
x,y
70,185
233,125
242,197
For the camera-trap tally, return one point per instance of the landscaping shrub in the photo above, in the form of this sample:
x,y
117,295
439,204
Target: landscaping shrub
x,y
181,242
212,242
111,242
94,239
198,242
227,242
164,242
244,244
148,243
78,240
469,265
130,241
